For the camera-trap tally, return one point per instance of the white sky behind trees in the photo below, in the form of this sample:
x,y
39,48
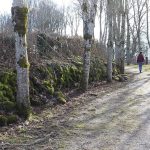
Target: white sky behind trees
x,y
5,7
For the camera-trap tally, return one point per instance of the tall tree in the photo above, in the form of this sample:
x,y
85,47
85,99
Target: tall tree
x,y
139,13
119,33
102,17
88,15
19,18
110,40
128,36
147,19
101,5
122,36
117,30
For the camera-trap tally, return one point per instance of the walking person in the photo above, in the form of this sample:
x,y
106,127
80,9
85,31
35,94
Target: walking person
x,y
140,61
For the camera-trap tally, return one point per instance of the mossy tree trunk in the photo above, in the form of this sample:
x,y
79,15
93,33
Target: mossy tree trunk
x,y
88,14
19,19
110,41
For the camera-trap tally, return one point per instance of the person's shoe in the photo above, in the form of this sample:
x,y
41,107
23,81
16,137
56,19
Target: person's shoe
x,y
140,71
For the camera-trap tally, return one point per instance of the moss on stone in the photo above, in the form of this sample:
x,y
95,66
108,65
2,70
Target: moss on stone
x,y
6,120
8,106
66,79
49,87
11,119
98,70
60,97
23,62
6,93
24,112
87,36
20,17
3,120
9,78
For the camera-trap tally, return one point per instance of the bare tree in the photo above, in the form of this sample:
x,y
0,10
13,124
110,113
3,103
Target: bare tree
x,y
128,36
139,13
45,16
19,18
110,40
147,22
76,20
70,17
122,42
117,30
102,20
88,15
119,33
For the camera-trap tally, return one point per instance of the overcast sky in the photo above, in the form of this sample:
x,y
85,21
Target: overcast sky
x,y
5,6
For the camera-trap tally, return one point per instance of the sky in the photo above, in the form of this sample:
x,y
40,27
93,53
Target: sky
x,y
5,6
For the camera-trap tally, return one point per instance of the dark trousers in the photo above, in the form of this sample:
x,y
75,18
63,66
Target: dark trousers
x,y
140,66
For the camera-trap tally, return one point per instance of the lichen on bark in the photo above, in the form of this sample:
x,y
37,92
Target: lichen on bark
x,y
23,62
20,17
84,7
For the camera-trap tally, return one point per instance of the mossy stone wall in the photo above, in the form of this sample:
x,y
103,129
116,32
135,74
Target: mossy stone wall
x,y
7,98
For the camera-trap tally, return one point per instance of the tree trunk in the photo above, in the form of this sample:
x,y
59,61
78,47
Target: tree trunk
x,y
100,22
89,13
120,36
122,61
110,42
116,35
86,68
19,18
128,41
147,18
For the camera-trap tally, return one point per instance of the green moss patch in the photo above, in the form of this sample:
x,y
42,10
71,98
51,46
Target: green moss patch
x,y
8,119
24,112
7,91
12,119
60,97
7,106
47,79
7,86
20,17
23,63
7,97
3,120
49,87
46,82
97,70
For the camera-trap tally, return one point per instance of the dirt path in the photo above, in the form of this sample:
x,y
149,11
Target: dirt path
x,y
118,120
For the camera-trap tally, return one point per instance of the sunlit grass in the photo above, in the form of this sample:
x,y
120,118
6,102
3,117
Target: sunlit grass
x,y
146,67
132,65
